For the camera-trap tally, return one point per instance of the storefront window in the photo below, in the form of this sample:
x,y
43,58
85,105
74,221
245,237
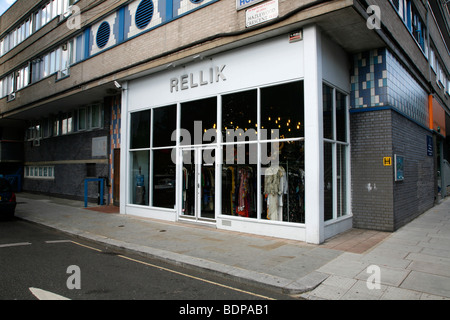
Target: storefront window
x,y
283,182
341,116
197,117
327,112
139,177
239,116
341,180
140,130
163,179
239,181
282,109
328,180
335,150
164,124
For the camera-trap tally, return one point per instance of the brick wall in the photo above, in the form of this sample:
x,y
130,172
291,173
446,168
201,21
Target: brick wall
x,y
378,201
69,154
415,194
372,189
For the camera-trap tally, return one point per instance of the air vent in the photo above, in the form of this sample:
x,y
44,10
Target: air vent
x,y
103,34
144,13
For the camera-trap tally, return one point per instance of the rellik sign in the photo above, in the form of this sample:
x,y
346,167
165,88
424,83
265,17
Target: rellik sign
x,y
201,78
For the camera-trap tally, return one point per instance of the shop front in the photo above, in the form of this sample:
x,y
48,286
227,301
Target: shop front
x,y
254,140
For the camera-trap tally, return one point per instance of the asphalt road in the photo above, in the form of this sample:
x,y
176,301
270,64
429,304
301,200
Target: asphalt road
x,y
33,256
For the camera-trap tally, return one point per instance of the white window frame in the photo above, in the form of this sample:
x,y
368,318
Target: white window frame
x,y
40,172
85,119
67,123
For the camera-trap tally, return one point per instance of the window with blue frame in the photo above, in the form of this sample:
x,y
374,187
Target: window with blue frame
x,y
412,20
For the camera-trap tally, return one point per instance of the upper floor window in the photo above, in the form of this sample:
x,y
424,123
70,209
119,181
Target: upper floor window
x,y
413,21
34,22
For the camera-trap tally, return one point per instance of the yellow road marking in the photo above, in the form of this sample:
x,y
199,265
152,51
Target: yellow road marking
x,y
197,278
83,245
181,273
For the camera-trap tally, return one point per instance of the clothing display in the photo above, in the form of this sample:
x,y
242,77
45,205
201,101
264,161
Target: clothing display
x,y
284,193
282,187
296,195
238,187
208,188
275,185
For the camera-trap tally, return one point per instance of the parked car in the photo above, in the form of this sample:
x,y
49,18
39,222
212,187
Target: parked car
x,y
7,199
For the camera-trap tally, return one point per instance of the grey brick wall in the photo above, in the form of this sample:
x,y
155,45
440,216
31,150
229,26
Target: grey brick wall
x,y
378,201
372,189
69,154
415,194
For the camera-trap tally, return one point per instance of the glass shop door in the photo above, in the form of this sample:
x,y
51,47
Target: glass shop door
x,y
198,184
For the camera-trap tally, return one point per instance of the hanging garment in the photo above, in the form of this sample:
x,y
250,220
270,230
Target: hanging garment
x,y
184,187
272,180
232,192
272,207
242,208
283,190
272,188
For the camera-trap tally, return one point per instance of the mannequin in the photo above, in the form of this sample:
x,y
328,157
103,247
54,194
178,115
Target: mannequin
x,y
275,185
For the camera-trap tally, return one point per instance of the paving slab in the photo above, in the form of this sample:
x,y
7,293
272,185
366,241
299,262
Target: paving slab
x,y
428,283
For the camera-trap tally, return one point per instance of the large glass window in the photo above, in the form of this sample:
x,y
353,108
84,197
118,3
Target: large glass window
x,y
268,142
197,117
341,117
164,124
342,180
239,181
140,160
283,181
140,130
153,169
139,177
328,180
163,179
239,116
282,109
327,112
335,153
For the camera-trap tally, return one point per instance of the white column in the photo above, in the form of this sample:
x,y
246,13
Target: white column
x,y
124,170
313,135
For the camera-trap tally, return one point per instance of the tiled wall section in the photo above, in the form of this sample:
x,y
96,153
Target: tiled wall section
x,y
405,93
163,11
378,79
369,79
114,140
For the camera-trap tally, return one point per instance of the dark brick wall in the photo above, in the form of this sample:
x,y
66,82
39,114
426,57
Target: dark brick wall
x,y
415,194
69,154
372,189
378,201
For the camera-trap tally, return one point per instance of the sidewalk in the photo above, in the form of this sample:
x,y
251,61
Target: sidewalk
x,y
414,262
